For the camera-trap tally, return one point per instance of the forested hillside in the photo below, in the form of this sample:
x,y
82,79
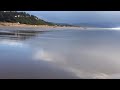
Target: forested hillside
x,y
22,18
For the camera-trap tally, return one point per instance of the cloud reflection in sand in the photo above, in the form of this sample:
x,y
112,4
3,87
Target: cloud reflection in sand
x,y
12,43
95,61
85,54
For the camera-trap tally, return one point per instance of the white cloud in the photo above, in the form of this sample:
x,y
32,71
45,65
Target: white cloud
x,y
12,43
87,63
41,55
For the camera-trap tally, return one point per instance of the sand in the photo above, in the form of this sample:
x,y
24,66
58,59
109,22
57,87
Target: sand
x,y
4,24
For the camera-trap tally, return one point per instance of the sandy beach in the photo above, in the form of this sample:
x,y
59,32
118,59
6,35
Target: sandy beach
x,y
4,24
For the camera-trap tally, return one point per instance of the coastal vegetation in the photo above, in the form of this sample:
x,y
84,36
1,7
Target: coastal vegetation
x,y
22,18
7,17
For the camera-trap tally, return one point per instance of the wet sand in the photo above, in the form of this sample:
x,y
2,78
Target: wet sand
x,y
59,54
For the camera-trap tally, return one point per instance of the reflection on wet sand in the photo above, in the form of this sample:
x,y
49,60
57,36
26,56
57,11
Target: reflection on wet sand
x,y
16,59
71,54
19,34
88,56
17,62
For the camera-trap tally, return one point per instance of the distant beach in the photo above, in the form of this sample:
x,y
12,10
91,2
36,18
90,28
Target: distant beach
x,y
5,24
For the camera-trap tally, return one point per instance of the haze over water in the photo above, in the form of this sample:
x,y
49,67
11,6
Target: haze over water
x,y
59,53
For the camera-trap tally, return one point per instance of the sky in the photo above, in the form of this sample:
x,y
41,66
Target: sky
x,y
73,17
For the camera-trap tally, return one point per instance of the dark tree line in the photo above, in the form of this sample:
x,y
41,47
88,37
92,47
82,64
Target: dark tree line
x,y
22,17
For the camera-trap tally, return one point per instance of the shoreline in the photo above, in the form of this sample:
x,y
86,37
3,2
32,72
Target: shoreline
x,y
6,24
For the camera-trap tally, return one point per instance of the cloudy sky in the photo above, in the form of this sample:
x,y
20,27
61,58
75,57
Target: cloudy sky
x,y
78,16
72,17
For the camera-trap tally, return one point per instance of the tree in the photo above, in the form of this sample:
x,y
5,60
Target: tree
x,y
24,18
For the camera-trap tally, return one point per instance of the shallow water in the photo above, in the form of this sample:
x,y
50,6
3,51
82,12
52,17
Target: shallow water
x,y
59,54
